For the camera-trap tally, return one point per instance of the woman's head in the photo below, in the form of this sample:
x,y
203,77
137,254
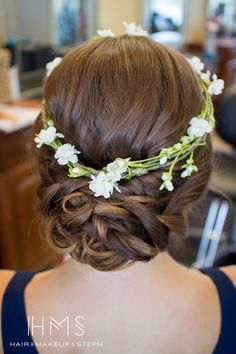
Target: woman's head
x,y
120,97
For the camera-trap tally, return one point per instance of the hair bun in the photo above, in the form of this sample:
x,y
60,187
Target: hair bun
x,y
80,205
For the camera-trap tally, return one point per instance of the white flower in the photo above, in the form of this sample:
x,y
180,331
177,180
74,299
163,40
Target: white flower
x,y
133,30
177,146
216,86
198,127
47,136
102,185
206,76
66,153
105,33
118,167
163,160
52,64
188,171
76,170
196,65
167,184
112,177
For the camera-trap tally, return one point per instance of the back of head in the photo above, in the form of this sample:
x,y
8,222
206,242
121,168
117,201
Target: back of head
x,y
120,97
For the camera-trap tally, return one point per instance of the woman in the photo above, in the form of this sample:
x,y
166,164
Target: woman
x,y
110,104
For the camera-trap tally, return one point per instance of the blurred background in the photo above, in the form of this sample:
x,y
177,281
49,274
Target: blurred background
x,y
34,32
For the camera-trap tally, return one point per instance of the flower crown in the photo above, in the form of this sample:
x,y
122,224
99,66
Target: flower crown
x,y
103,182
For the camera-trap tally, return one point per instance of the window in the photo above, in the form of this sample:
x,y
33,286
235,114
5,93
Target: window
x,y
166,15
221,12
70,21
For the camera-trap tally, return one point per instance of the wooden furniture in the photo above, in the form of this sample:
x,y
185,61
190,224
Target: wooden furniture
x,y
22,246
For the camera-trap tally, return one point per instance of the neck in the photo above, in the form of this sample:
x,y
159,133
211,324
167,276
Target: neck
x,y
162,265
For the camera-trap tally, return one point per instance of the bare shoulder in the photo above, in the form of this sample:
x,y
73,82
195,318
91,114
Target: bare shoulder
x,y
230,271
5,277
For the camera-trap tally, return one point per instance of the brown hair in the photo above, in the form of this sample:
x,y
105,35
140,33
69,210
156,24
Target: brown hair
x,y
119,97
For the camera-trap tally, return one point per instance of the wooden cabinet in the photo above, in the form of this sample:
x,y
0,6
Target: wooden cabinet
x,y
22,245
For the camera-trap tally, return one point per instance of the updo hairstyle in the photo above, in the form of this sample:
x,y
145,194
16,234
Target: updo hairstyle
x,y
119,97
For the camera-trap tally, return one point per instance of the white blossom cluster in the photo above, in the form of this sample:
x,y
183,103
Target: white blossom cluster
x,y
52,64
104,182
65,153
198,126
47,136
131,29
215,85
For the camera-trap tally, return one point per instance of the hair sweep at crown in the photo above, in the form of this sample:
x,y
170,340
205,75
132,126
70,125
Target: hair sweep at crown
x,y
125,97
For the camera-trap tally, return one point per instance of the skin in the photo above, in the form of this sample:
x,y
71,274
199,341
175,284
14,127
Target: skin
x,y
155,307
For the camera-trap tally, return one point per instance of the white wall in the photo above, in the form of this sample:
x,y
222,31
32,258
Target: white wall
x,y
25,18
21,18
2,22
111,13
33,19
194,20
